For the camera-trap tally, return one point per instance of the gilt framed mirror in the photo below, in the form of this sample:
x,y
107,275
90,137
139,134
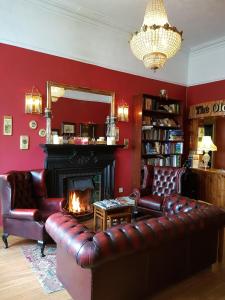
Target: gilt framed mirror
x,y
79,106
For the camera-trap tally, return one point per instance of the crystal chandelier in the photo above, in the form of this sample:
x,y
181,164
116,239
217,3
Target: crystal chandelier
x,y
157,40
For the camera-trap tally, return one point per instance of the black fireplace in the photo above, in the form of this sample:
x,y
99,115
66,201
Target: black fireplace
x,y
81,168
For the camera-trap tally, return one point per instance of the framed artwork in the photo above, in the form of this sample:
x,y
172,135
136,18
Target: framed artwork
x,y
87,130
24,142
68,128
7,125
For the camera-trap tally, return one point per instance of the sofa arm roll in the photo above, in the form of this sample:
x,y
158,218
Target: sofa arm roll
x,y
74,237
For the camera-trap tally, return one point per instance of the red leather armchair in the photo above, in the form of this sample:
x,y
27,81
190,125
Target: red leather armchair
x,y
158,182
25,206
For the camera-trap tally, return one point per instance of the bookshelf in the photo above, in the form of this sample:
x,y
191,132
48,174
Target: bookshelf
x,y
158,133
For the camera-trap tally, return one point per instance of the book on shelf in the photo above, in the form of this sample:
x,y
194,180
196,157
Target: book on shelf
x,y
147,120
179,148
151,133
170,108
176,135
149,104
172,160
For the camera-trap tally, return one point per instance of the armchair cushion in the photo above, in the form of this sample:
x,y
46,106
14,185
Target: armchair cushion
x,y
25,214
151,202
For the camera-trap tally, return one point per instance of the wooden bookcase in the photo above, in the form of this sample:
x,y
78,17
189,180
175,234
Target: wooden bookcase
x,y
158,133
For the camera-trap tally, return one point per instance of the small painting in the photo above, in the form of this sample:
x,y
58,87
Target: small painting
x,y
7,125
68,128
24,142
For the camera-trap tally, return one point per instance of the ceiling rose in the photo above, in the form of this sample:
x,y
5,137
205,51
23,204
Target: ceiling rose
x,y
157,40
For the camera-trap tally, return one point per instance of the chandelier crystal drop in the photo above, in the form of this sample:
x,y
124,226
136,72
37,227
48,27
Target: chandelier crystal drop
x,y
157,40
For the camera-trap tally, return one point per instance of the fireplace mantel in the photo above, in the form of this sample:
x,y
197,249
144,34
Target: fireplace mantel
x,y
70,149
68,160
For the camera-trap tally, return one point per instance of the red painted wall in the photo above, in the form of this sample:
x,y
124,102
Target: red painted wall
x,y
211,92
21,69
206,92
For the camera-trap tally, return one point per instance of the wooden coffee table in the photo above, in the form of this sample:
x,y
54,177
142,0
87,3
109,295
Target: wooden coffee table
x,y
112,211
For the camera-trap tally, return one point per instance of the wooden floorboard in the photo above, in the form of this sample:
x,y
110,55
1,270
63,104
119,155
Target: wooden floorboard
x,y
18,281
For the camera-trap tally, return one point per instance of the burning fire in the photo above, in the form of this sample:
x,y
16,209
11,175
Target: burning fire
x,y
75,204
79,202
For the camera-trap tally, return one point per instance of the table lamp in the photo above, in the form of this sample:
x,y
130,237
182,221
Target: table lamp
x,y
206,145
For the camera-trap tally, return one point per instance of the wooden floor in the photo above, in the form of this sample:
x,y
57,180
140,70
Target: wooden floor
x,y
18,281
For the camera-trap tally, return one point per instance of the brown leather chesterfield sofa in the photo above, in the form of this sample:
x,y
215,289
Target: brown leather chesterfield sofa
x,y
25,205
132,261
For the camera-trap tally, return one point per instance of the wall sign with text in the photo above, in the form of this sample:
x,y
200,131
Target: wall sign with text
x,y
207,109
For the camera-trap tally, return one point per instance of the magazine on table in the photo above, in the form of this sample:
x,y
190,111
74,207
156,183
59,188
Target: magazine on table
x,y
113,203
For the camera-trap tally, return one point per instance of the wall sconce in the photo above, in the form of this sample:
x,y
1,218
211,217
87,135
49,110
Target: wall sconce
x,y
56,93
33,102
123,113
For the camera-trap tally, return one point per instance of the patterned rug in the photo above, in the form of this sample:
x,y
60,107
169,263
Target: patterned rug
x,y
44,267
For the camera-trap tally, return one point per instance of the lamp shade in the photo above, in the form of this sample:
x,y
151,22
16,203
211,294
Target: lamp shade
x,y
207,144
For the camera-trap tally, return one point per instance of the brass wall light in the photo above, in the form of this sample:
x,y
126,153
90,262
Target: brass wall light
x,y
33,102
123,113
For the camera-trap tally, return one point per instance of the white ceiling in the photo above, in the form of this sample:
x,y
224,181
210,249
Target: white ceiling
x,y
202,21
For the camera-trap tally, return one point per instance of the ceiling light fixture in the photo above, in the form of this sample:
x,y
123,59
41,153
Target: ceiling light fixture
x,y
157,40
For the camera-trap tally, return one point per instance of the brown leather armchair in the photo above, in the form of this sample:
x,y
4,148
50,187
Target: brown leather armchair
x,y
25,205
158,182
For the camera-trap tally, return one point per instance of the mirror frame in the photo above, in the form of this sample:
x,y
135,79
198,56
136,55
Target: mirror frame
x,y
48,109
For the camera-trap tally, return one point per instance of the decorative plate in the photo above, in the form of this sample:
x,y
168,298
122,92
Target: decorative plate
x,y
33,124
42,132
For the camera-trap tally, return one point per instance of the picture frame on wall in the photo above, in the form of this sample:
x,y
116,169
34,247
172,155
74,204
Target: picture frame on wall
x,y
68,128
24,142
87,130
7,125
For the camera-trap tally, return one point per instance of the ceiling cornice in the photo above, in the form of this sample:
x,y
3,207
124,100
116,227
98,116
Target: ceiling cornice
x,y
216,44
83,15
